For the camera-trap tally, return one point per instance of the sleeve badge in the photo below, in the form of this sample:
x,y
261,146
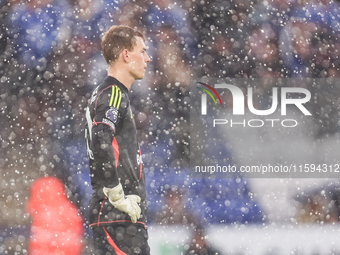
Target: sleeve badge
x,y
112,114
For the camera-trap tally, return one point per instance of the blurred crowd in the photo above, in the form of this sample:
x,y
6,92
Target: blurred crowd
x,y
50,60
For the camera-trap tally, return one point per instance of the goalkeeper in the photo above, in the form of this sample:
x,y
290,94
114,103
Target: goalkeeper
x,y
118,206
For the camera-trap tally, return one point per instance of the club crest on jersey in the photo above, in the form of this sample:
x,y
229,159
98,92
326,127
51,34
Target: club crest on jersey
x,y
112,114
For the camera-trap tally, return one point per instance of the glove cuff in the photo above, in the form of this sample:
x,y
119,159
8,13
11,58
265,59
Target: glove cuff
x,y
115,193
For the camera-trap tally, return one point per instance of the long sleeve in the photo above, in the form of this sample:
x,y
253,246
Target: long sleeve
x,y
105,120
114,153
105,155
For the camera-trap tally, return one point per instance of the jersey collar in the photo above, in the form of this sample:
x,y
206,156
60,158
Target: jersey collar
x,y
114,81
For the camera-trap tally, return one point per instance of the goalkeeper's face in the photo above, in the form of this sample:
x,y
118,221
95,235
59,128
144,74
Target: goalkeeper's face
x,y
139,60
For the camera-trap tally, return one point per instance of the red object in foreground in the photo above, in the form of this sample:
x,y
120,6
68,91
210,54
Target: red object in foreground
x,y
57,227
